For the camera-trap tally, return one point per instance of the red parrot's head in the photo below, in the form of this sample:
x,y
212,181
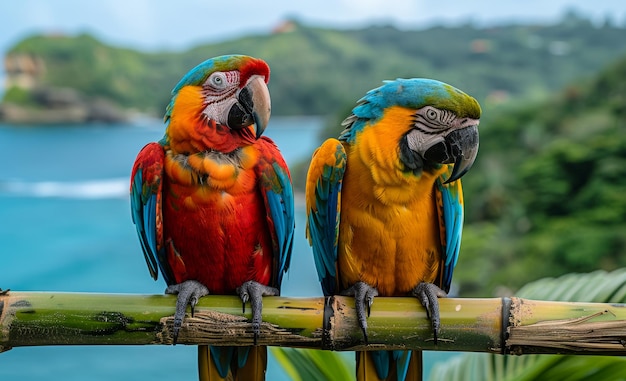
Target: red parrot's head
x,y
221,104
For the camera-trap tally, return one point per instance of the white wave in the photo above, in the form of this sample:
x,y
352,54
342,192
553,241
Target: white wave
x,y
88,189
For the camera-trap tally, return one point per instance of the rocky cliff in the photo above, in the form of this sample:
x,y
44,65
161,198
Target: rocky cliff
x,y
44,104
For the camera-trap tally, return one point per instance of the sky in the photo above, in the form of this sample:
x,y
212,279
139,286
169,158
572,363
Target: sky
x,y
176,25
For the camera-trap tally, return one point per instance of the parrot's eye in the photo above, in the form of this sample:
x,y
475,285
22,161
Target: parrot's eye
x,y
432,118
217,80
431,114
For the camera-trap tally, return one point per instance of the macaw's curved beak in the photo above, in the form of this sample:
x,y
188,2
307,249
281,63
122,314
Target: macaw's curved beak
x,y
459,147
253,107
464,144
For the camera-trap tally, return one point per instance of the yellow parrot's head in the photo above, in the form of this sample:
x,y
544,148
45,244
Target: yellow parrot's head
x,y
434,123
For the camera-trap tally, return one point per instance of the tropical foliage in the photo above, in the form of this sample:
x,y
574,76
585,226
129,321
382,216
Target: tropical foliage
x,y
599,286
547,194
308,364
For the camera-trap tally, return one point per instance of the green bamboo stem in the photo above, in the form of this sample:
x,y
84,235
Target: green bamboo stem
x,y
401,323
494,325
566,328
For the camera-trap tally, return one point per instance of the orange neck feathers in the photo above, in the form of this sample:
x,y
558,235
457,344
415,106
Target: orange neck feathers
x,y
189,132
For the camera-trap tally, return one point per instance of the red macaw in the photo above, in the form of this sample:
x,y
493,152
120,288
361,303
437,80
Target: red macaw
x,y
213,203
385,207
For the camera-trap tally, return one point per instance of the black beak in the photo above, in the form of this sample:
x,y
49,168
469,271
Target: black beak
x,y
459,147
464,144
253,107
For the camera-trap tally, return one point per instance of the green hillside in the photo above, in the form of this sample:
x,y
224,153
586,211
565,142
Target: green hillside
x,y
317,71
547,195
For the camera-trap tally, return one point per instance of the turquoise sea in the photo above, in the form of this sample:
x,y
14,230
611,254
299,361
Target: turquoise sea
x,y
65,226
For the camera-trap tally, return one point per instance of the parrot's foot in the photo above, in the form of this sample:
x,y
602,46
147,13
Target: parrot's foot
x,y
189,292
4,292
363,295
428,294
254,292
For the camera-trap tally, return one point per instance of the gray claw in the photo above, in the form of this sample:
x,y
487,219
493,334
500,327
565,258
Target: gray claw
x,y
363,295
429,294
189,292
254,292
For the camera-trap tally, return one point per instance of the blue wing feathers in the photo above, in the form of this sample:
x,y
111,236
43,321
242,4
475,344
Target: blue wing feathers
x,y
150,218
402,359
325,264
330,233
278,194
284,238
222,357
384,361
453,223
242,356
318,247
144,198
225,357
323,223
287,204
143,215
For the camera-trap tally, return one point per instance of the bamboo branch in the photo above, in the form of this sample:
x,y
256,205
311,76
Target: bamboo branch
x,y
515,325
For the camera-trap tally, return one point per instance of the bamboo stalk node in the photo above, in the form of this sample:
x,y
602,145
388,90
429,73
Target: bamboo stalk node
x,y
594,333
498,325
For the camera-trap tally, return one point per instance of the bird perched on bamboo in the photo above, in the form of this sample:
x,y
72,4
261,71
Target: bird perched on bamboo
x,y
385,207
212,201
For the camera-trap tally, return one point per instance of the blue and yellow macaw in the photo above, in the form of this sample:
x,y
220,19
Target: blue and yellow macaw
x,y
385,207
213,202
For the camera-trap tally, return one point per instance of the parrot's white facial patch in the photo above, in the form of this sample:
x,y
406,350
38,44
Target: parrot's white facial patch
x,y
432,120
221,81
219,91
218,111
419,142
432,125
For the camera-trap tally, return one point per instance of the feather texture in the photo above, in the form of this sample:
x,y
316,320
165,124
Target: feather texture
x,y
212,201
380,212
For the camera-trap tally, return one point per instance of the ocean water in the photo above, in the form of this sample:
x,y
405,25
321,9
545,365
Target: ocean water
x,y
65,226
